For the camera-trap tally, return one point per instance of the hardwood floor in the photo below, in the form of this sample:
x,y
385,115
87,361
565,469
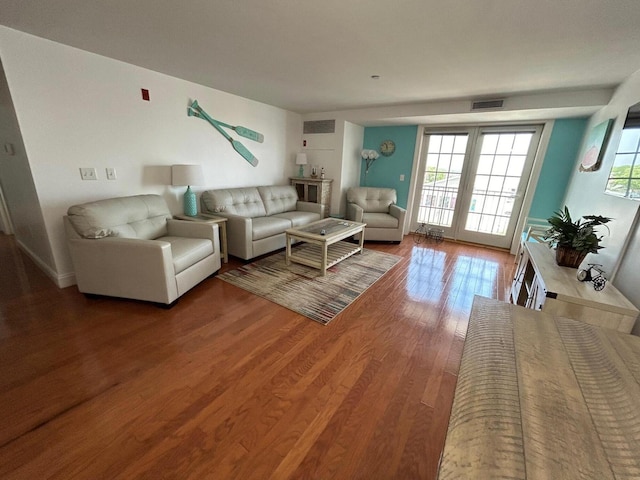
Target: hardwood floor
x,y
227,385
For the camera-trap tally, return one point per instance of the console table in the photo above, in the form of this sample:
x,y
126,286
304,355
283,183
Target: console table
x,y
541,284
315,190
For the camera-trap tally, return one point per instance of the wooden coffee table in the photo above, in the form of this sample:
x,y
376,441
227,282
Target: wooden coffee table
x,y
325,245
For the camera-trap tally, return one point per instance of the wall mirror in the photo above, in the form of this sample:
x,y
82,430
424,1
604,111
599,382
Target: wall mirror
x,y
624,178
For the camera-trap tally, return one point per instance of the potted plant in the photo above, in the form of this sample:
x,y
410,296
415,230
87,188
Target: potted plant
x,y
574,239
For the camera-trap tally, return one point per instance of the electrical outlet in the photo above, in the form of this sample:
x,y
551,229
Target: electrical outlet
x,y
88,174
111,173
402,178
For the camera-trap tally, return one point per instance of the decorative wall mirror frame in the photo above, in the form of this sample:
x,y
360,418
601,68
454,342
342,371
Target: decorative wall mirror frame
x,y
624,177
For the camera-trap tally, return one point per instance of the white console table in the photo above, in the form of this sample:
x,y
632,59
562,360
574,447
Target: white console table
x,y
541,284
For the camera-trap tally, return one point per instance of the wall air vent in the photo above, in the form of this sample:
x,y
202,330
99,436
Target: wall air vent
x,y
319,126
486,104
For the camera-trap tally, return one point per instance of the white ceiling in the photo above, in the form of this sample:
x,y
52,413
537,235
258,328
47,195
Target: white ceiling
x,y
318,56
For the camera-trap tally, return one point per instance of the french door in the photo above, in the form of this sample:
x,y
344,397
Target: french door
x,y
473,181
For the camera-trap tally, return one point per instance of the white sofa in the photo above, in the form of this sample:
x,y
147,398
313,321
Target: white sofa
x,y
377,208
257,217
130,247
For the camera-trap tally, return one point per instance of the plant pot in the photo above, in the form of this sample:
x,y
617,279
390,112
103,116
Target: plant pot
x,y
569,257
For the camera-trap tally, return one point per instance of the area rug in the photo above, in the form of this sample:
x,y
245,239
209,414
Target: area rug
x,y
303,290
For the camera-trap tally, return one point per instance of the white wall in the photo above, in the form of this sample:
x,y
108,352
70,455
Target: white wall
x,y
339,154
351,161
586,196
77,109
322,151
628,275
17,188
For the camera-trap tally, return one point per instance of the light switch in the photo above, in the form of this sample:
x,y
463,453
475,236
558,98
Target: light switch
x,y
88,174
111,173
402,178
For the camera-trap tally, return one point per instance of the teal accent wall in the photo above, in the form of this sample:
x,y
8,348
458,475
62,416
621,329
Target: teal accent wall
x,y
386,171
559,162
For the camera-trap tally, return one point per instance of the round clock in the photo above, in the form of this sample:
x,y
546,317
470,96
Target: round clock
x,y
387,148
584,275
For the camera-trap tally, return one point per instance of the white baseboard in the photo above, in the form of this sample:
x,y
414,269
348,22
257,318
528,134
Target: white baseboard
x,y
66,280
62,281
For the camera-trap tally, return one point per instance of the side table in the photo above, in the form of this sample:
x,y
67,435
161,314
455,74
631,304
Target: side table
x,y
222,223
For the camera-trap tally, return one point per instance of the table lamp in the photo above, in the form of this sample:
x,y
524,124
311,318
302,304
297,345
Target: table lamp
x,y
301,159
188,175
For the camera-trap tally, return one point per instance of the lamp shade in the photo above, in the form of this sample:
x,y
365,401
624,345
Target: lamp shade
x,y
182,175
301,159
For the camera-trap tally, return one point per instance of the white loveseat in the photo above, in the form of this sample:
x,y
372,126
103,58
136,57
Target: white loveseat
x,y
377,208
257,217
130,247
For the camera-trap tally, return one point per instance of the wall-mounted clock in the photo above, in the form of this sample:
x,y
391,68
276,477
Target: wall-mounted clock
x,y
387,148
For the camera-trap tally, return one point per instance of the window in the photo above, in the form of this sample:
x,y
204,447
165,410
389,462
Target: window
x,y
624,178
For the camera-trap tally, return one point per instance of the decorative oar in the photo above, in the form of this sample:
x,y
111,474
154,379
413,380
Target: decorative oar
x,y
240,130
244,132
237,146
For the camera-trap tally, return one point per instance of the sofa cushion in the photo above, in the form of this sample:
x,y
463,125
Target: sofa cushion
x,y
138,216
245,202
264,227
278,199
299,218
379,220
187,251
372,199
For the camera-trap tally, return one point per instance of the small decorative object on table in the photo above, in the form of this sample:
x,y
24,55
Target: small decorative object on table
x,y
587,275
314,172
322,173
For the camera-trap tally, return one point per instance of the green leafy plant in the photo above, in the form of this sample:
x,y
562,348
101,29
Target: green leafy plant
x,y
578,235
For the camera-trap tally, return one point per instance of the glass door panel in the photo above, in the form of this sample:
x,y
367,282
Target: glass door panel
x,y
441,179
502,170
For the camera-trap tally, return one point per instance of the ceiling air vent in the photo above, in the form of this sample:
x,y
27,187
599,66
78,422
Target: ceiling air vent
x,y
485,104
319,126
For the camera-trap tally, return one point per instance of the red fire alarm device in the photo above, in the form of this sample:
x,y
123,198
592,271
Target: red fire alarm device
x,y
145,94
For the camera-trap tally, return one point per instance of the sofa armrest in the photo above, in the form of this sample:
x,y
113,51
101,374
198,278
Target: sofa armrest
x,y
153,277
310,207
399,213
239,235
354,212
190,229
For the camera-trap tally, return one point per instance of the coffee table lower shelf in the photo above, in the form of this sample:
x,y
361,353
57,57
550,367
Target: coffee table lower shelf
x,y
310,254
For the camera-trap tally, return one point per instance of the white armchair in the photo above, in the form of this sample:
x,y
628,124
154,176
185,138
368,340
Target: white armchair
x,y
377,208
130,247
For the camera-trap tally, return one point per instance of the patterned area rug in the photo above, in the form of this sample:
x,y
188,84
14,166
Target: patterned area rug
x,y
303,290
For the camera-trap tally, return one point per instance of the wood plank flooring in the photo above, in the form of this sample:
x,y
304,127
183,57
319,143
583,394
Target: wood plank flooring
x,y
227,385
